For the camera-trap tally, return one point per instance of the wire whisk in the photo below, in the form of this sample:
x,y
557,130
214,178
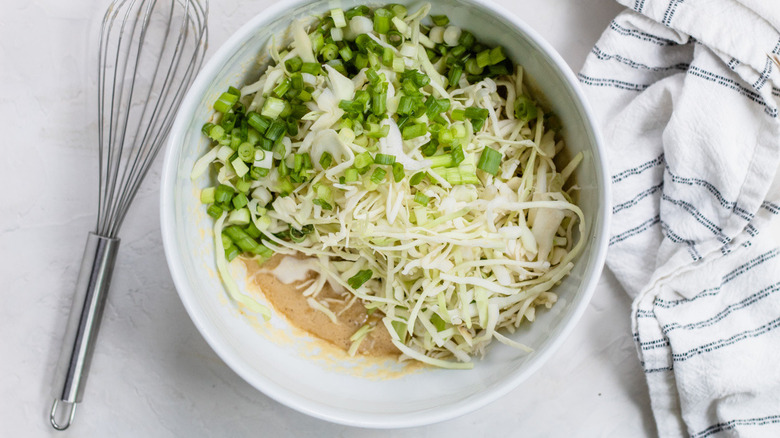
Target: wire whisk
x,y
149,53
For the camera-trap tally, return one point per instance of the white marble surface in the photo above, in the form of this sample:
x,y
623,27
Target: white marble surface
x,y
153,375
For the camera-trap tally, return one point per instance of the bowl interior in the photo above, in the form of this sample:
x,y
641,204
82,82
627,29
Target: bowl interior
x,y
267,355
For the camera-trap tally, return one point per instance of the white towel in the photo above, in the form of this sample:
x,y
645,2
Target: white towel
x,y
688,102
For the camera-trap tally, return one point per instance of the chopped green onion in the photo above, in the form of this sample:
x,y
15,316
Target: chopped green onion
x,y
421,198
313,68
285,187
497,55
414,131
362,160
457,155
225,102
325,205
454,75
240,167
525,109
360,278
378,176
231,252
489,161
430,148
276,130
240,200
246,152
325,160
382,20
395,38
258,122
360,61
483,59
384,159
466,39
281,89
338,17
351,175
346,53
296,81
329,52
207,195
273,107
440,20
397,10
293,64
223,194
206,129
473,112
417,178
214,211
398,172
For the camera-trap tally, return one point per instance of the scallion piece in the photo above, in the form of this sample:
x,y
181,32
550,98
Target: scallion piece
x,y
206,129
223,194
338,17
525,109
384,159
281,89
497,55
398,172
440,20
421,198
416,178
453,77
346,53
489,161
473,112
215,211
378,176
351,175
293,64
457,155
325,160
246,152
240,200
430,148
362,160
483,59
313,68
276,130
225,102
325,205
382,19
414,131
273,107
258,122
329,52
207,195
395,38
360,278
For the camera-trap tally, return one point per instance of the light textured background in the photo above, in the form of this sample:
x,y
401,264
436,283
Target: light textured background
x,y
153,375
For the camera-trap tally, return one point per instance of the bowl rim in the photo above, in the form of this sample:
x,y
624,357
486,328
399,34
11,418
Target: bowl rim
x,y
599,236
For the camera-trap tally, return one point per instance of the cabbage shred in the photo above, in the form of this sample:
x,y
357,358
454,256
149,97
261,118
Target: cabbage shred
x,y
410,160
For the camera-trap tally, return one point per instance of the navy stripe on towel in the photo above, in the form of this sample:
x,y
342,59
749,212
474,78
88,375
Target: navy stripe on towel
x,y
657,161
721,343
740,270
732,424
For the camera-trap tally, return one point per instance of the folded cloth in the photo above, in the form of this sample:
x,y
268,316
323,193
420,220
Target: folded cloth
x,y
687,97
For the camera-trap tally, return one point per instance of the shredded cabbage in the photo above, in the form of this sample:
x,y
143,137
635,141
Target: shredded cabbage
x,y
448,274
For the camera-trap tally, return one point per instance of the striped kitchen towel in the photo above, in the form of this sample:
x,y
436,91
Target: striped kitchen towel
x,y
687,98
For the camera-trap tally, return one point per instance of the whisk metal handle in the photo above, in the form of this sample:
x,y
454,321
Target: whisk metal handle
x,y
86,312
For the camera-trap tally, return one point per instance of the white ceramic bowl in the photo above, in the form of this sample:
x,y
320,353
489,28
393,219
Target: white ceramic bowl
x,y
294,375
